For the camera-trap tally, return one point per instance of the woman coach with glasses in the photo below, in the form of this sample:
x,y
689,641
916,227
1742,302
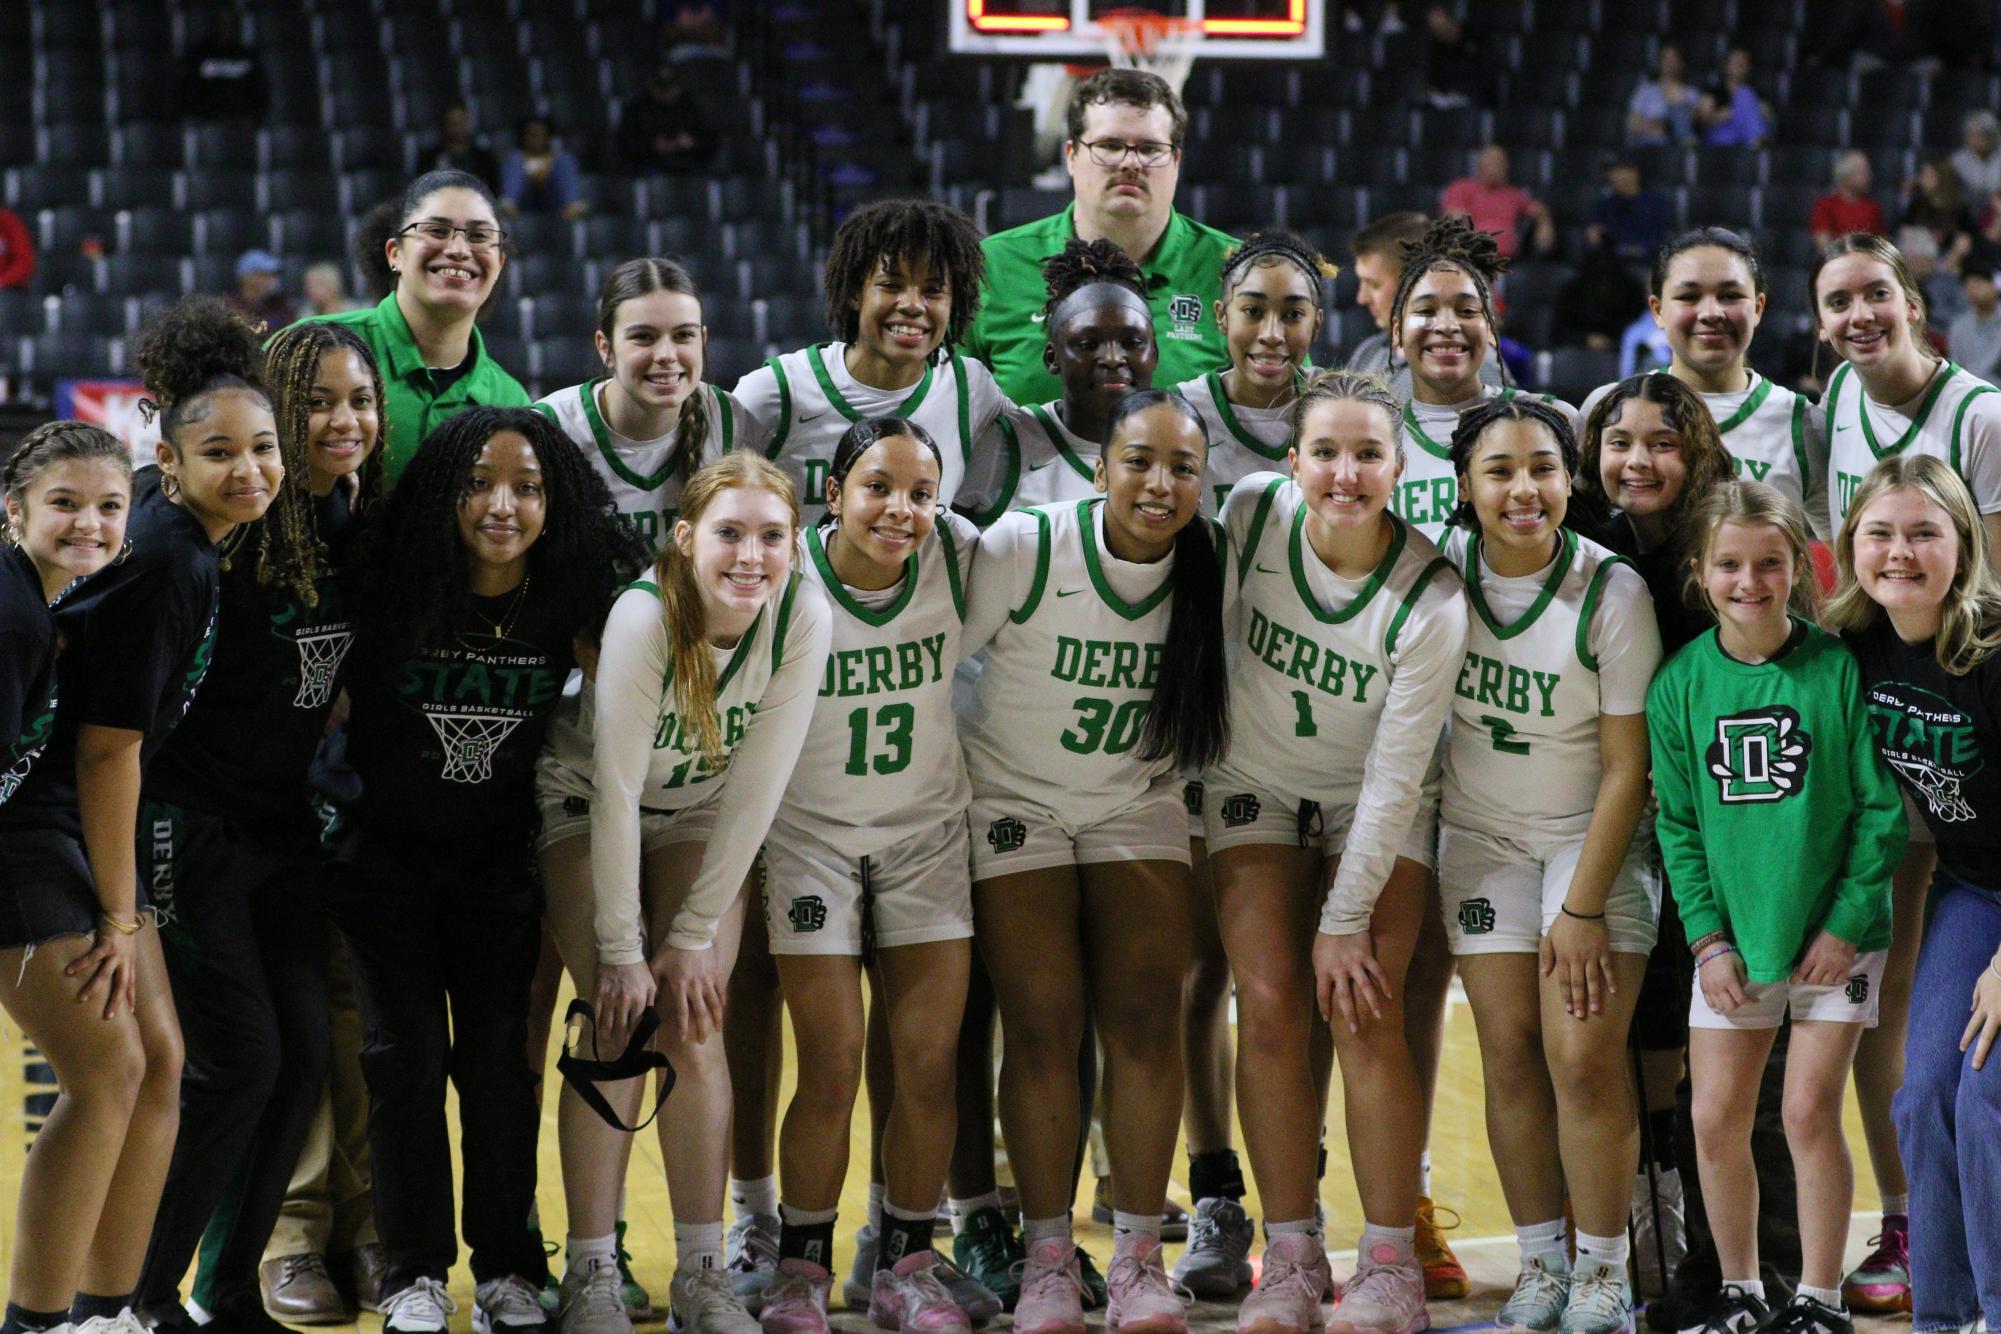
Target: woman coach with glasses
x,y
446,255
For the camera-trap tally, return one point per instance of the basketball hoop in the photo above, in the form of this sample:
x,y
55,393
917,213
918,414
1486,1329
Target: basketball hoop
x,y
1156,43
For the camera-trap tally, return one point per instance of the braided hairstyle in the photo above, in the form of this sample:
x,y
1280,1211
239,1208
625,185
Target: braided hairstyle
x,y
1452,242
51,443
1585,512
643,277
1080,264
415,574
291,364
1275,245
892,230
199,347
1335,386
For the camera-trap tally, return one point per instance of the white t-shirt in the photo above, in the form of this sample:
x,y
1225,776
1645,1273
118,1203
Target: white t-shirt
x,y
1957,417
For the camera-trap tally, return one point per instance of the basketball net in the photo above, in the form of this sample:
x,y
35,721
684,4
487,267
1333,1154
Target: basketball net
x,y
1141,39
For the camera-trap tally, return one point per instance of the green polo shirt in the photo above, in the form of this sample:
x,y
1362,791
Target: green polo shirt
x,y
1182,287
413,402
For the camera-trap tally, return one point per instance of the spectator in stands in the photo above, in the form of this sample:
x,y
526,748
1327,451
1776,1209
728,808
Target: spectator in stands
x,y
1378,253
539,175
1732,113
1978,161
1630,219
458,148
1457,71
17,250
326,290
1125,129
222,77
665,128
1498,207
257,296
1847,207
1974,336
1939,283
1662,109
1870,34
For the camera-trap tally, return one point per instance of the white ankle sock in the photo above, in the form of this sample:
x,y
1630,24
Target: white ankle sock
x,y
1605,1250
1828,1297
1034,1230
1538,1238
1126,1225
578,1252
698,1245
875,1205
966,1208
1898,1206
1400,1240
1753,1287
754,1197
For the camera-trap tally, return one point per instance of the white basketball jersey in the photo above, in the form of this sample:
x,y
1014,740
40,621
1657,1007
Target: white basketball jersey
x,y
1523,752
1310,679
1773,435
1029,457
805,401
882,761
1241,440
1428,491
644,476
1068,680
1958,420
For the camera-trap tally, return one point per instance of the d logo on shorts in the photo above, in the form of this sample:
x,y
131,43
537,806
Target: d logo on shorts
x,y
1240,808
1191,796
576,806
1476,917
1007,834
807,913
1858,989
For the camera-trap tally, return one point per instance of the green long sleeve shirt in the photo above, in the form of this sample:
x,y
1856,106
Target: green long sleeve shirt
x,y
1777,817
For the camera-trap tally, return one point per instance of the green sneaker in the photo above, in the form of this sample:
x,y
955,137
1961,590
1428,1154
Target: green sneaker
x,y
638,1301
1095,1292
551,1295
989,1250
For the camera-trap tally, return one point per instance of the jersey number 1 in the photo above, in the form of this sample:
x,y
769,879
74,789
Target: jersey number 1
x,y
896,720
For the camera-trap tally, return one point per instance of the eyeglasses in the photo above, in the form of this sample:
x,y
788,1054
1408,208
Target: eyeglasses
x,y
1112,152
478,235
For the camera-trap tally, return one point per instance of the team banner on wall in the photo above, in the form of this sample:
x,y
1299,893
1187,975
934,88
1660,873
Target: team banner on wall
x,y
114,405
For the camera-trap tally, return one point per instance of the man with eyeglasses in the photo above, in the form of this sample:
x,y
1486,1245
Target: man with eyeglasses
x,y
1123,153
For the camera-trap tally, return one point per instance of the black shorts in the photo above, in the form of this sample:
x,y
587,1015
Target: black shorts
x,y
46,889
1660,1018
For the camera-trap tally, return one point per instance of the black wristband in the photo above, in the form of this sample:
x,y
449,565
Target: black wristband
x,y
1582,916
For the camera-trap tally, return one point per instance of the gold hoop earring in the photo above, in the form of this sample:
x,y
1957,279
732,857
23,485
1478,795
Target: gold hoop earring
x,y
170,485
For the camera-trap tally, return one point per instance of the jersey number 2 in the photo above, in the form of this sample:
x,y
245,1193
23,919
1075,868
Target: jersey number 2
x,y
896,720
1503,732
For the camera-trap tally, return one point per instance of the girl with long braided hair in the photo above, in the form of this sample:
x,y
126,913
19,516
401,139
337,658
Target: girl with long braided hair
x,y
1270,312
249,951
68,489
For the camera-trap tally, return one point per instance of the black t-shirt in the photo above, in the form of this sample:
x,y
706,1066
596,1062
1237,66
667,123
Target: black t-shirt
x,y
245,746
136,640
1941,735
1664,571
27,669
445,742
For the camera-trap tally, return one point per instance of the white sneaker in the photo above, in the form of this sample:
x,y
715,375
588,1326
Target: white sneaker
x,y
1663,1194
701,1301
593,1300
422,1308
507,1305
750,1257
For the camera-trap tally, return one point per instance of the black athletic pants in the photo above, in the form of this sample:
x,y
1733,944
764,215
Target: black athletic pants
x,y
245,942
443,956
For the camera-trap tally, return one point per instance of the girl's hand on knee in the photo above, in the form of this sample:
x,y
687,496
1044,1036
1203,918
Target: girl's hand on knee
x,y
110,969
1826,962
691,992
623,991
1577,951
1347,976
1982,1028
1722,982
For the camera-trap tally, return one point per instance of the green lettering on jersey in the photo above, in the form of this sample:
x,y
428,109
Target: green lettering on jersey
x,y
817,472
646,523
1487,680
1756,467
1426,499
1844,490
1310,662
882,668
1107,664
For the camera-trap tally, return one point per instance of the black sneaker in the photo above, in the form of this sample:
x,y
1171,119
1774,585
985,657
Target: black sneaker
x,y
1731,1311
1804,1315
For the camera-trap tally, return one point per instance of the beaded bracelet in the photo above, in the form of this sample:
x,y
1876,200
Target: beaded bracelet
x,y
1725,948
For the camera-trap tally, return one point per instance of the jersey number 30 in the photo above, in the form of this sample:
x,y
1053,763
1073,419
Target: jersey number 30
x,y
1102,727
893,756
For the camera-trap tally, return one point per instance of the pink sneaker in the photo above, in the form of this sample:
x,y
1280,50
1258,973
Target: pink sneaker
x,y
1294,1282
796,1301
1142,1299
910,1297
1386,1296
1052,1290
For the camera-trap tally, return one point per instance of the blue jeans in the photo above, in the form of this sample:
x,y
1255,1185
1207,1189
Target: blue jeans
x,y
1949,1117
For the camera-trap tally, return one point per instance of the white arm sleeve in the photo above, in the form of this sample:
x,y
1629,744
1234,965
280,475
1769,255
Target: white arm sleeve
x,y
757,394
991,476
1003,569
1980,452
759,768
632,671
1430,649
1626,640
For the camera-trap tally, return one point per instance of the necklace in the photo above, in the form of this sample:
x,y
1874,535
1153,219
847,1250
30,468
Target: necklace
x,y
505,625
